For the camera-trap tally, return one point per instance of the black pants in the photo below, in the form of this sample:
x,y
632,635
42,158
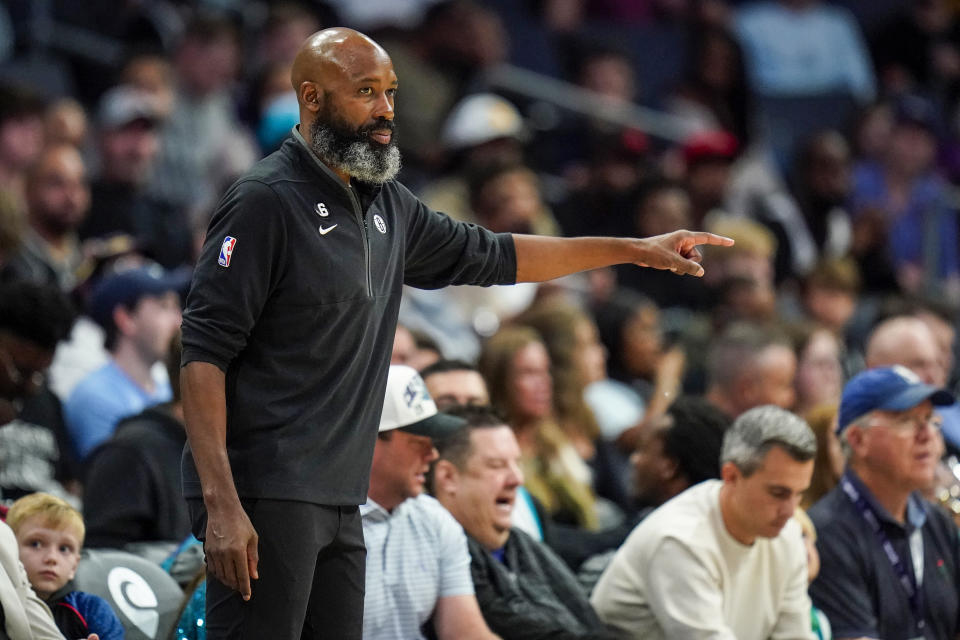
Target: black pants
x,y
312,569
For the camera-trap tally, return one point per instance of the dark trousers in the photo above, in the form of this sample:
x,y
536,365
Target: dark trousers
x,y
312,569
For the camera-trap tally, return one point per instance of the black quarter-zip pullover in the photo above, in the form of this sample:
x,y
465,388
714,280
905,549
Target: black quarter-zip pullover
x,y
295,297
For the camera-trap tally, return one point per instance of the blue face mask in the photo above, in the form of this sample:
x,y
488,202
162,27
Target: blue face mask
x,y
281,114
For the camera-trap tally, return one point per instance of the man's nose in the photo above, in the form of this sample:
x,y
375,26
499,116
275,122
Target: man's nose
x,y
384,107
787,507
515,477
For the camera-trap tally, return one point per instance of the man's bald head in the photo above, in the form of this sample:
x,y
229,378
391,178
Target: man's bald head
x,y
907,341
346,86
327,54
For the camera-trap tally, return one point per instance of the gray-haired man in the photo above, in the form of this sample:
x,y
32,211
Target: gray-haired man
x,y
890,561
724,559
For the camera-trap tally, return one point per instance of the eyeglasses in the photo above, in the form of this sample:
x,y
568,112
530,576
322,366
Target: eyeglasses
x,y
19,377
911,424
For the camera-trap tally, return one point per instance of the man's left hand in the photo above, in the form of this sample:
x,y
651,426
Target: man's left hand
x,y
677,251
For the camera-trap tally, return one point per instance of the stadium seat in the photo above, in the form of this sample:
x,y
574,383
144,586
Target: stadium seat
x,y
144,596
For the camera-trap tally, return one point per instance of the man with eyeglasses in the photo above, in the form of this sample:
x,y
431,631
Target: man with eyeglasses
x,y
33,320
890,560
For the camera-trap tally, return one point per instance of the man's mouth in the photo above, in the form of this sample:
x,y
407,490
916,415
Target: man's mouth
x,y
380,131
382,136
421,476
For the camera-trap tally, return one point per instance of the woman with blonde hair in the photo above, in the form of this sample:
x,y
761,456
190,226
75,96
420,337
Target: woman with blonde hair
x,y
819,378
576,359
516,366
828,463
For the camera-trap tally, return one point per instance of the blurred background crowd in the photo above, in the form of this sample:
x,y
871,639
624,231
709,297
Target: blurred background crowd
x,y
823,136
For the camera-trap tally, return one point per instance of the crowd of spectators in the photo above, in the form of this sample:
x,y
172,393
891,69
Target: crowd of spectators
x,y
823,136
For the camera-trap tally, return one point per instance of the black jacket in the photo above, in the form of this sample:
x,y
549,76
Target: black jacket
x,y
132,491
295,296
532,595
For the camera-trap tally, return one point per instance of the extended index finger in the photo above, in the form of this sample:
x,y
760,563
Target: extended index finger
x,y
239,567
705,237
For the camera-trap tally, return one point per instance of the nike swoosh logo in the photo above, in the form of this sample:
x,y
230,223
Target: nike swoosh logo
x,y
324,232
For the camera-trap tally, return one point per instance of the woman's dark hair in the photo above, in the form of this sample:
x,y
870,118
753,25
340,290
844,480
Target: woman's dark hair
x,y
732,108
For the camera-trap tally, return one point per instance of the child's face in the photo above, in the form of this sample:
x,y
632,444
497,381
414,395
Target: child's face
x,y
50,556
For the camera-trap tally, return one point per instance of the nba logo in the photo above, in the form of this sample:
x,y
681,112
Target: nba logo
x,y
226,250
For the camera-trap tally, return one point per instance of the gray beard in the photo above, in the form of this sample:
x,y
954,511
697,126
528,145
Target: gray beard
x,y
358,158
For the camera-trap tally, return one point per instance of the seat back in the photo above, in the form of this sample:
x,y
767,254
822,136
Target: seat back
x,y
144,596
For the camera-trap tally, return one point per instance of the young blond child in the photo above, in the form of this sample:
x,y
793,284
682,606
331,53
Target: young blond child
x,y
50,535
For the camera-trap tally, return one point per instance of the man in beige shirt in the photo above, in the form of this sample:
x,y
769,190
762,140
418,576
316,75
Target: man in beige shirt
x,y
724,559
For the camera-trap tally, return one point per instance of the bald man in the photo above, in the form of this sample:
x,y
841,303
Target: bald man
x,y
287,337
909,341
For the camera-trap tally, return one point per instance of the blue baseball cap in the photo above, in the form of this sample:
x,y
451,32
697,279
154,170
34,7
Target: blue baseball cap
x,y
128,286
887,389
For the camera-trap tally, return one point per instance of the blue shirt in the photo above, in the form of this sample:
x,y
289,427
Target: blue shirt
x,y
811,51
858,588
101,400
925,224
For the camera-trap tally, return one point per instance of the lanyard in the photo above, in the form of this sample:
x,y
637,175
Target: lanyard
x,y
910,582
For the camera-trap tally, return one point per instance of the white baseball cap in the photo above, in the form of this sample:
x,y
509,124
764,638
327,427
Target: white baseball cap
x,y
124,104
408,406
480,118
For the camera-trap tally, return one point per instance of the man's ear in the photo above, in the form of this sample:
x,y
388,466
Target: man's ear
x,y
446,478
856,437
667,468
310,96
730,473
122,319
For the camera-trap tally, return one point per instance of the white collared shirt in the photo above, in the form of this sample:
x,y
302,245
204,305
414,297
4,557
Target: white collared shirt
x,y
415,555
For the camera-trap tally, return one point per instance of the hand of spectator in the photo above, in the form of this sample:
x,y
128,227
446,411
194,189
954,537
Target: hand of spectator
x,y
92,636
668,379
669,372
677,251
231,548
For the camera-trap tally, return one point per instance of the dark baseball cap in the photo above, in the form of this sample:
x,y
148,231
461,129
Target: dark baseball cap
x,y
127,287
888,389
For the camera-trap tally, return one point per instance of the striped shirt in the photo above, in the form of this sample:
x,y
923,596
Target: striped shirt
x,y
415,556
